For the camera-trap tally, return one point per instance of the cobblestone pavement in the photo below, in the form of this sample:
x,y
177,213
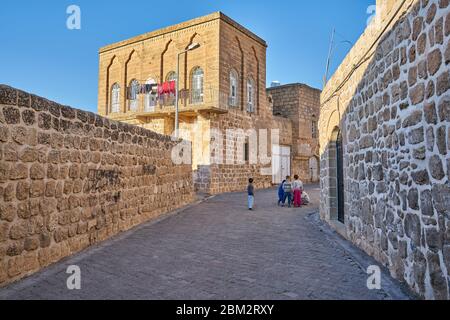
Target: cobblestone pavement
x,y
218,250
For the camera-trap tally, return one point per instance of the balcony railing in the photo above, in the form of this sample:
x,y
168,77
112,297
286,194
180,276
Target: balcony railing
x,y
192,100
196,96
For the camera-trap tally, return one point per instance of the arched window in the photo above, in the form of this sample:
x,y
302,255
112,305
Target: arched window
x,y
197,86
171,76
151,99
134,92
233,88
115,98
250,95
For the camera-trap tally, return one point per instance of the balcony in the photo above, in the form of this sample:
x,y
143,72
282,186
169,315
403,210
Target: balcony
x,y
191,103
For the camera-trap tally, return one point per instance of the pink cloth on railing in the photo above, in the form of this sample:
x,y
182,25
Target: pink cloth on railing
x,y
172,87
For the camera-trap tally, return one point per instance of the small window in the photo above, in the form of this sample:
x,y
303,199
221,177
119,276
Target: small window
x,y
233,89
250,96
115,98
197,86
247,152
134,92
314,130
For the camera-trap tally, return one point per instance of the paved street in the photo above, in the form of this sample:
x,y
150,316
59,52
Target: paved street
x,y
218,250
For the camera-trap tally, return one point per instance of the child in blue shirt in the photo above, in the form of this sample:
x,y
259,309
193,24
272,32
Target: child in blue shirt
x,y
281,193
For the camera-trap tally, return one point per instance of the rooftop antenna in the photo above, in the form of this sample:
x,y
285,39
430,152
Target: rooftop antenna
x,y
333,46
330,52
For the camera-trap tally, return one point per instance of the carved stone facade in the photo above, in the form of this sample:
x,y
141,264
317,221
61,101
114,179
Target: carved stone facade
x,y
70,179
233,61
385,144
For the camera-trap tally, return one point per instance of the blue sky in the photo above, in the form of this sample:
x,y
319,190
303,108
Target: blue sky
x,y
40,55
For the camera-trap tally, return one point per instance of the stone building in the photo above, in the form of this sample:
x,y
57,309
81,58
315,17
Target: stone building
x,y
301,104
385,142
222,87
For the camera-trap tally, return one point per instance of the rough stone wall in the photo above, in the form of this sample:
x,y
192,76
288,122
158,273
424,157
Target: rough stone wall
x,y
393,111
300,104
70,179
230,178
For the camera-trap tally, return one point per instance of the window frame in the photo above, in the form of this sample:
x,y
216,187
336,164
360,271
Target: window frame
x,y
250,95
133,103
197,94
171,73
234,84
314,129
247,151
115,98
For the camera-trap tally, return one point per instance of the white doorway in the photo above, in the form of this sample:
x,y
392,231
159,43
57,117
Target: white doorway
x,y
281,163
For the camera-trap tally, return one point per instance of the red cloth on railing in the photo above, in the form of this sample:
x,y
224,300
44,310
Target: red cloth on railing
x,y
166,88
172,87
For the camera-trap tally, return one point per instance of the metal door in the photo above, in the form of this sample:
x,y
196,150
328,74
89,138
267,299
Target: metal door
x,y
340,177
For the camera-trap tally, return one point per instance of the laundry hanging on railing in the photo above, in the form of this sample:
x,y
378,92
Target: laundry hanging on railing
x,y
166,88
148,88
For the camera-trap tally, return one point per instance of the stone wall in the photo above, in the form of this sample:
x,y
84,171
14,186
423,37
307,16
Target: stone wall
x,y
390,101
234,177
300,104
70,179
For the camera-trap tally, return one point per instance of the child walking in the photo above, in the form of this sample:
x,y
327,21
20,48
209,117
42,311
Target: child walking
x,y
251,194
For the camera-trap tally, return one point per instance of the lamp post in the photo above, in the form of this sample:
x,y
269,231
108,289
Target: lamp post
x,y
177,124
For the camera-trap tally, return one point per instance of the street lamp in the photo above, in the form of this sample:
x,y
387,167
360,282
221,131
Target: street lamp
x,y
190,48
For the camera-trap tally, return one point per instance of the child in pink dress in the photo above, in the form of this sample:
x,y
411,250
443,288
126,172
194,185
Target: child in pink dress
x,y
297,186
